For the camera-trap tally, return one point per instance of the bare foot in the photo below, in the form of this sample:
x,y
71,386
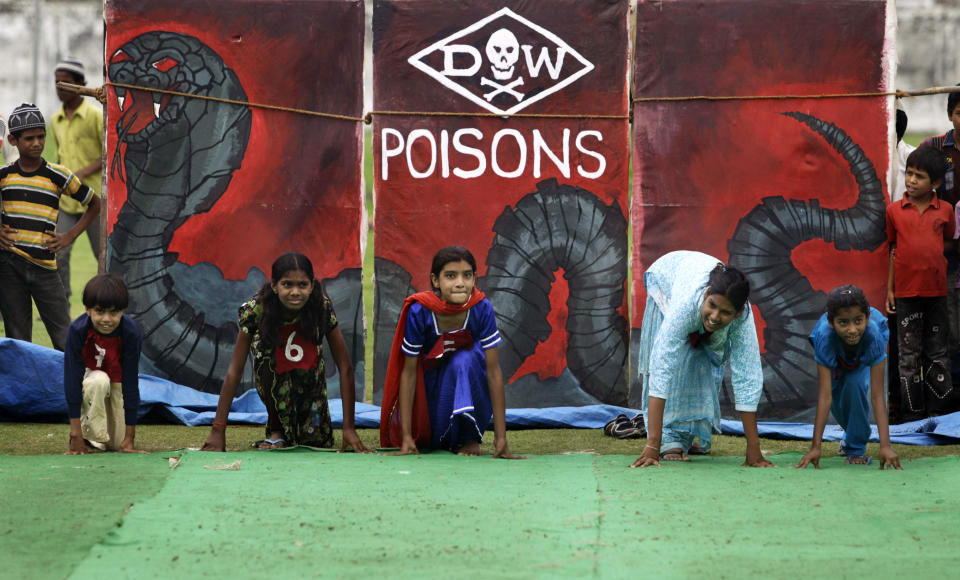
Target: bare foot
x,y
471,448
674,455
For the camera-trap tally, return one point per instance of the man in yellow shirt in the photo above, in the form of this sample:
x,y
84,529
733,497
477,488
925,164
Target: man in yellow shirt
x,y
78,130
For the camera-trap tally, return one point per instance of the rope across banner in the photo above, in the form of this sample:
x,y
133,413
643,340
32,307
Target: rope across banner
x,y
100,94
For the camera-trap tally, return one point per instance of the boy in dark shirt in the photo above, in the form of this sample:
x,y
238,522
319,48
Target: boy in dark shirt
x,y
100,370
948,145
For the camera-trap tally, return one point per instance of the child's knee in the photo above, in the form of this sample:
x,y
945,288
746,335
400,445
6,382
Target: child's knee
x,y
96,384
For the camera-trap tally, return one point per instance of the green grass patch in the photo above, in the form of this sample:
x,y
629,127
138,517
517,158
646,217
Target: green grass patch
x,y
55,509
51,438
440,516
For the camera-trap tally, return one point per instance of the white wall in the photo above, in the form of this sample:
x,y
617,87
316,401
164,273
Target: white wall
x,y
66,29
928,49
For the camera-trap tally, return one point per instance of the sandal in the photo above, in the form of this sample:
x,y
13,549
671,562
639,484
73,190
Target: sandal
x,y
608,428
623,428
269,444
854,459
683,456
639,425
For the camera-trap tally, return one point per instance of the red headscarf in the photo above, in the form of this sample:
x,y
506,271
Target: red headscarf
x,y
391,434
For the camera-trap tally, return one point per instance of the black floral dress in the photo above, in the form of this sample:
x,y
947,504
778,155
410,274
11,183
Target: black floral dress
x,y
298,392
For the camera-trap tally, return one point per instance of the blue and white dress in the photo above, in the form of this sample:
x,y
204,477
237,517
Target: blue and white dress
x,y
458,397
850,384
689,378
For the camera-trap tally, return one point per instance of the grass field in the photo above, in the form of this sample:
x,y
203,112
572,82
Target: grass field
x,y
573,510
306,514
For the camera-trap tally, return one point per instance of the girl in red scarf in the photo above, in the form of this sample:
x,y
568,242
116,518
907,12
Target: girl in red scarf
x,y
444,380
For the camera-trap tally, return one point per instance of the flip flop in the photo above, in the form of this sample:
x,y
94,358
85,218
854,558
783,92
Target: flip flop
x,y
681,453
278,443
852,458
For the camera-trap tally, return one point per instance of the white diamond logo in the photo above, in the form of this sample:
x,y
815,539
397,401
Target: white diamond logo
x,y
504,63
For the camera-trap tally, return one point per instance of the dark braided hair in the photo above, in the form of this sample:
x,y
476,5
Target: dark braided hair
x,y
730,283
312,322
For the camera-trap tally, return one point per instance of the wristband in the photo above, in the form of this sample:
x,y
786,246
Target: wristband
x,y
219,424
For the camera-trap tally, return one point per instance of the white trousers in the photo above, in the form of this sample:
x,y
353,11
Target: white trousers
x,y
102,419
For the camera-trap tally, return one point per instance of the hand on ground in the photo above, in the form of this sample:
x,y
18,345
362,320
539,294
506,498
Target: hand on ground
x,y
650,456
502,451
757,460
78,446
889,459
216,441
352,440
812,456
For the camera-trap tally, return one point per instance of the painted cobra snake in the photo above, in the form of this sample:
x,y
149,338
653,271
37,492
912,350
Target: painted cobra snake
x,y
177,156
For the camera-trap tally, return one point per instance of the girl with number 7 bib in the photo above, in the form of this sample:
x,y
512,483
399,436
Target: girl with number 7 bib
x,y
284,325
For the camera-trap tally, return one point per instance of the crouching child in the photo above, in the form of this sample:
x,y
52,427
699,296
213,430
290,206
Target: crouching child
x,y
849,344
100,370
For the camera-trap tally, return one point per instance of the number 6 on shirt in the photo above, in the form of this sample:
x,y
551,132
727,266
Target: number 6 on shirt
x,y
297,352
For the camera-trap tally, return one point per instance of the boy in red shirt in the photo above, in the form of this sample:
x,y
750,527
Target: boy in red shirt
x,y
920,228
100,370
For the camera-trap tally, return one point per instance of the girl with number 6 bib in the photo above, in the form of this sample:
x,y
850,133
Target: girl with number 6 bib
x,y
283,325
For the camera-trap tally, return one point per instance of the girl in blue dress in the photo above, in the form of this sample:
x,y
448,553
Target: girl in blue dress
x,y
850,347
444,380
696,321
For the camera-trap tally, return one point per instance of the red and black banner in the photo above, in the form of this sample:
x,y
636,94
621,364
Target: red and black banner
x,y
205,195
790,190
541,202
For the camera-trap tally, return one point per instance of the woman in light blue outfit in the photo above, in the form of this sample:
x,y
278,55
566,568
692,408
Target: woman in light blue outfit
x,y
696,321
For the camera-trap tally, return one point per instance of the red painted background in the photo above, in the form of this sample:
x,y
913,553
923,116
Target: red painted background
x,y
416,217
700,166
299,187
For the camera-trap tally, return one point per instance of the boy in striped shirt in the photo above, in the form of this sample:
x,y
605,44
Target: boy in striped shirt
x,y
30,190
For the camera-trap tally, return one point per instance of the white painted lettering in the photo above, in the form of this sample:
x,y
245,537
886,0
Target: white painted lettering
x,y
602,165
386,152
411,139
553,67
522,157
444,153
471,151
468,153
448,60
540,146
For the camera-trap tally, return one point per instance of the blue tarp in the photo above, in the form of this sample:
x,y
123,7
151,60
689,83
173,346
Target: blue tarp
x,y
31,388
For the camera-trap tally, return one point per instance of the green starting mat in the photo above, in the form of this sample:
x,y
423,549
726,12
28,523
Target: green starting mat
x,y
300,513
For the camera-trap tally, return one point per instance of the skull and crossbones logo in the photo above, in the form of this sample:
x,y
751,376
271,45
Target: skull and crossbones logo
x,y
503,52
